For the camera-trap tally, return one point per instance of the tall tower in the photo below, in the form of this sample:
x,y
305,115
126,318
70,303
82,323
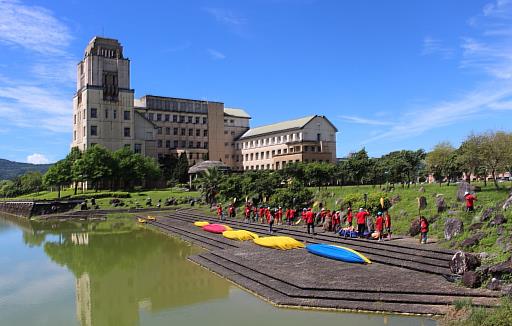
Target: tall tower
x,y
103,110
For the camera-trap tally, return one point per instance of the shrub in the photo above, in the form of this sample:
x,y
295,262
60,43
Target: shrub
x,y
118,194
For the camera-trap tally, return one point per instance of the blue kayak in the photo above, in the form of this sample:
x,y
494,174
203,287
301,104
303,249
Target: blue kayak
x,y
338,252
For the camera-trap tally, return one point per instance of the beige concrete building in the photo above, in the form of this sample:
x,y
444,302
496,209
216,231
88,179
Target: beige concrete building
x,y
105,112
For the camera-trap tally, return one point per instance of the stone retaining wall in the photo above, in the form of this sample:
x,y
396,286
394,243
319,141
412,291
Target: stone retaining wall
x,y
18,208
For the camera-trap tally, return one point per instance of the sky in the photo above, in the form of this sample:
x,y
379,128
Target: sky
x,y
390,75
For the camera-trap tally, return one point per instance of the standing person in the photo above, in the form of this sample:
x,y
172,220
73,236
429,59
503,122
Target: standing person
x,y
231,211
220,213
361,222
327,220
271,220
247,212
470,201
423,229
261,214
279,216
289,216
303,216
349,216
336,220
310,221
379,225
387,224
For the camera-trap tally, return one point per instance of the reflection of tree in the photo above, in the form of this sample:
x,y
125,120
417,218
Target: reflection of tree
x,y
118,273
33,239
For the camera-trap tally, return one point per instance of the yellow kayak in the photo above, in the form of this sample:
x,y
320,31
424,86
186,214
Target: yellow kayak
x,y
141,220
279,242
151,218
240,235
201,223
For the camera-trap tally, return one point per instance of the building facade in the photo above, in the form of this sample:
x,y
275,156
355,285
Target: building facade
x,y
105,112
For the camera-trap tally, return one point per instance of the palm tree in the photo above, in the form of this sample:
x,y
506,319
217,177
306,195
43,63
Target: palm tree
x,y
209,183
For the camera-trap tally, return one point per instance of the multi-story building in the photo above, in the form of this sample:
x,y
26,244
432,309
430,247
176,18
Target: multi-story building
x,y
105,112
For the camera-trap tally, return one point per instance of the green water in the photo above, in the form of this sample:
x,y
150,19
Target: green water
x,y
119,273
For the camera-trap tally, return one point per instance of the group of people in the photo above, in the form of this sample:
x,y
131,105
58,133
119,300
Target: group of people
x,y
330,221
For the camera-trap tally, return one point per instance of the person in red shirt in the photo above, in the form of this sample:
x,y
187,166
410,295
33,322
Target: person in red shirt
x,y
289,216
219,212
336,221
247,212
379,225
470,199
231,211
279,216
423,229
262,214
387,224
349,216
361,222
310,221
268,215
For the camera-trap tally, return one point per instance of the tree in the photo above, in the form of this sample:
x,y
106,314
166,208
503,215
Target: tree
x,y
319,174
497,153
95,165
439,160
181,171
74,155
31,182
358,164
58,175
209,184
470,156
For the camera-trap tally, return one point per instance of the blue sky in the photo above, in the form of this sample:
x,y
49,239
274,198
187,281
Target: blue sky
x,y
389,74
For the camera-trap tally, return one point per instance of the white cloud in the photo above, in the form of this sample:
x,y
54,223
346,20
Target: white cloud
x,y
32,27
226,16
432,46
37,158
364,121
216,54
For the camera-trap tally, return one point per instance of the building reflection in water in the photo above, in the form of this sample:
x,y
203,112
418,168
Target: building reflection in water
x,y
122,268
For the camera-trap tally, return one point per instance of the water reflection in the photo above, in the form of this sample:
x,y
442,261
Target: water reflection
x,y
117,273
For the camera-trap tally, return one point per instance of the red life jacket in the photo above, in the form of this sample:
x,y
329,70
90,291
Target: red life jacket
x,y
361,217
379,223
469,200
349,216
309,217
424,225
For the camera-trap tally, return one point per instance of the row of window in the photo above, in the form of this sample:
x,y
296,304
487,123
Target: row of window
x,y
175,118
272,140
93,131
181,144
278,165
183,131
190,156
94,114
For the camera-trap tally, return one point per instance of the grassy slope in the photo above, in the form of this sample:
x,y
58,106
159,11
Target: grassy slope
x,y
406,210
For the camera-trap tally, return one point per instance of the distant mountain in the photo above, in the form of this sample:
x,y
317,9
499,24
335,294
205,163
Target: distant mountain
x,y
10,169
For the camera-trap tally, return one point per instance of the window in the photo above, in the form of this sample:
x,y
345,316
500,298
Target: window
x,y
126,115
231,121
273,152
183,131
191,144
226,144
159,131
151,117
205,133
74,135
204,121
182,118
167,144
175,131
197,120
175,145
198,132
225,132
94,113
137,148
232,133
174,118
94,131
74,119
268,154
191,132
127,132
205,145
106,113
190,119
225,120
159,117
167,117
159,143
167,130
114,114
183,144
278,152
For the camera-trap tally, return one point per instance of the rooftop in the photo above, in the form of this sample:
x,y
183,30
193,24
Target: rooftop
x,y
239,113
280,126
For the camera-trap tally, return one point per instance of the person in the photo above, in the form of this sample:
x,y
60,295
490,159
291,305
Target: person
x,y
279,216
336,220
470,201
379,225
349,216
387,224
220,213
310,221
361,222
327,221
261,214
423,229
254,214
268,214
271,219
247,212
231,211
303,216
289,216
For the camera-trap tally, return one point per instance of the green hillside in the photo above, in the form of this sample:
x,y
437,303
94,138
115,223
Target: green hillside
x,y
10,169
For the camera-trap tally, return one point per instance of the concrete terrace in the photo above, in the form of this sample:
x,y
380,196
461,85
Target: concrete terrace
x,y
403,278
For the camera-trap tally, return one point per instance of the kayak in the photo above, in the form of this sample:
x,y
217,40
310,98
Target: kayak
x,y
279,242
151,218
141,220
216,228
338,253
240,235
201,223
